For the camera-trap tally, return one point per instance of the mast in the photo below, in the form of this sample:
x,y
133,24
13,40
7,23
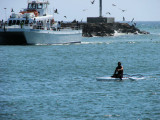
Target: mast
x,y
100,8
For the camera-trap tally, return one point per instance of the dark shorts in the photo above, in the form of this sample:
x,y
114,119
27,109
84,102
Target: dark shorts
x,y
118,76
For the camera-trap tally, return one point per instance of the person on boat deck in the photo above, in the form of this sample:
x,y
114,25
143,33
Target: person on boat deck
x,y
48,25
118,71
58,26
34,21
2,23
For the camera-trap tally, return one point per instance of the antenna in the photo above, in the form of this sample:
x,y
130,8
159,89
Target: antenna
x,y
5,14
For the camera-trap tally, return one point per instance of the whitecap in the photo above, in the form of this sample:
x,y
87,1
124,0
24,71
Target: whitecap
x,y
95,42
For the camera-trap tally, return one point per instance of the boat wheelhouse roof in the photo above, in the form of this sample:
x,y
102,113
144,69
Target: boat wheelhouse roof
x,y
44,2
37,5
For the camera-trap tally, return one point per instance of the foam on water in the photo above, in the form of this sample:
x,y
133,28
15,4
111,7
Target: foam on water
x,y
95,43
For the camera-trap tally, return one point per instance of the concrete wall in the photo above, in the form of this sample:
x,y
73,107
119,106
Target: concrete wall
x,y
100,19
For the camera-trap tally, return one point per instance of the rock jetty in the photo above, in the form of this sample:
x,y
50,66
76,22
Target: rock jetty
x,y
103,29
109,29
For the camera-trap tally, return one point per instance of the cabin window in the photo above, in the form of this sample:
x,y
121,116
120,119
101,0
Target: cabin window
x,y
10,22
31,6
14,22
22,21
18,22
27,21
40,6
34,6
45,6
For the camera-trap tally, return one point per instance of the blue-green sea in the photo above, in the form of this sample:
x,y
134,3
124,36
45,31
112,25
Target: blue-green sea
x,y
58,82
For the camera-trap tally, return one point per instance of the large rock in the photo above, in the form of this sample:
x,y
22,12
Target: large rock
x,y
103,29
92,29
108,29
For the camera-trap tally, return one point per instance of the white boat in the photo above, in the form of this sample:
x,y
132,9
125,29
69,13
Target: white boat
x,y
34,25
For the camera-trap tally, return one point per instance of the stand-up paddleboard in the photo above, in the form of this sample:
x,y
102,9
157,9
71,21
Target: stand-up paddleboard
x,y
108,78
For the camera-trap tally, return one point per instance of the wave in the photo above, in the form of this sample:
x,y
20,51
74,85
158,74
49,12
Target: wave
x,y
155,33
95,42
55,44
118,34
131,42
82,43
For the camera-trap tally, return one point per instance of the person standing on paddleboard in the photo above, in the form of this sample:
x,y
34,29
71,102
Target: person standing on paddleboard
x,y
119,71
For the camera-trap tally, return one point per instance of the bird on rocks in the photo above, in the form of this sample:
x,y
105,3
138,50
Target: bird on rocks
x,y
132,20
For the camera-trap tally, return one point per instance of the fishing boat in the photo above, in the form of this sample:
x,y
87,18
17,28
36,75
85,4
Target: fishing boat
x,y
34,25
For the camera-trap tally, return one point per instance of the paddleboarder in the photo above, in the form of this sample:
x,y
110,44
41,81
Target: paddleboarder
x,y
118,71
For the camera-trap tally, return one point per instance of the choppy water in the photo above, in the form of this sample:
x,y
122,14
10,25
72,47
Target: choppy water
x,y
57,82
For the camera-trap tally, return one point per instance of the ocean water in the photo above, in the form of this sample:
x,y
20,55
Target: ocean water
x,y
58,82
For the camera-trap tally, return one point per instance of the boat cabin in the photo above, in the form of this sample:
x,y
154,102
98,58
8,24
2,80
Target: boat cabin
x,y
40,7
35,11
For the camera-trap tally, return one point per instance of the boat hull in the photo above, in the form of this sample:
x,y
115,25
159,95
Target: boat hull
x,y
36,37
12,38
52,37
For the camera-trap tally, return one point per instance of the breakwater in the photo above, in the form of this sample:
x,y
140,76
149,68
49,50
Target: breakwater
x,y
105,29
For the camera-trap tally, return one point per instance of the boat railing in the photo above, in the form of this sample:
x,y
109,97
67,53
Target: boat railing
x,y
7,26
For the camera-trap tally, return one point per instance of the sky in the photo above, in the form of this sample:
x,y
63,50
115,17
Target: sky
x,y
140,10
